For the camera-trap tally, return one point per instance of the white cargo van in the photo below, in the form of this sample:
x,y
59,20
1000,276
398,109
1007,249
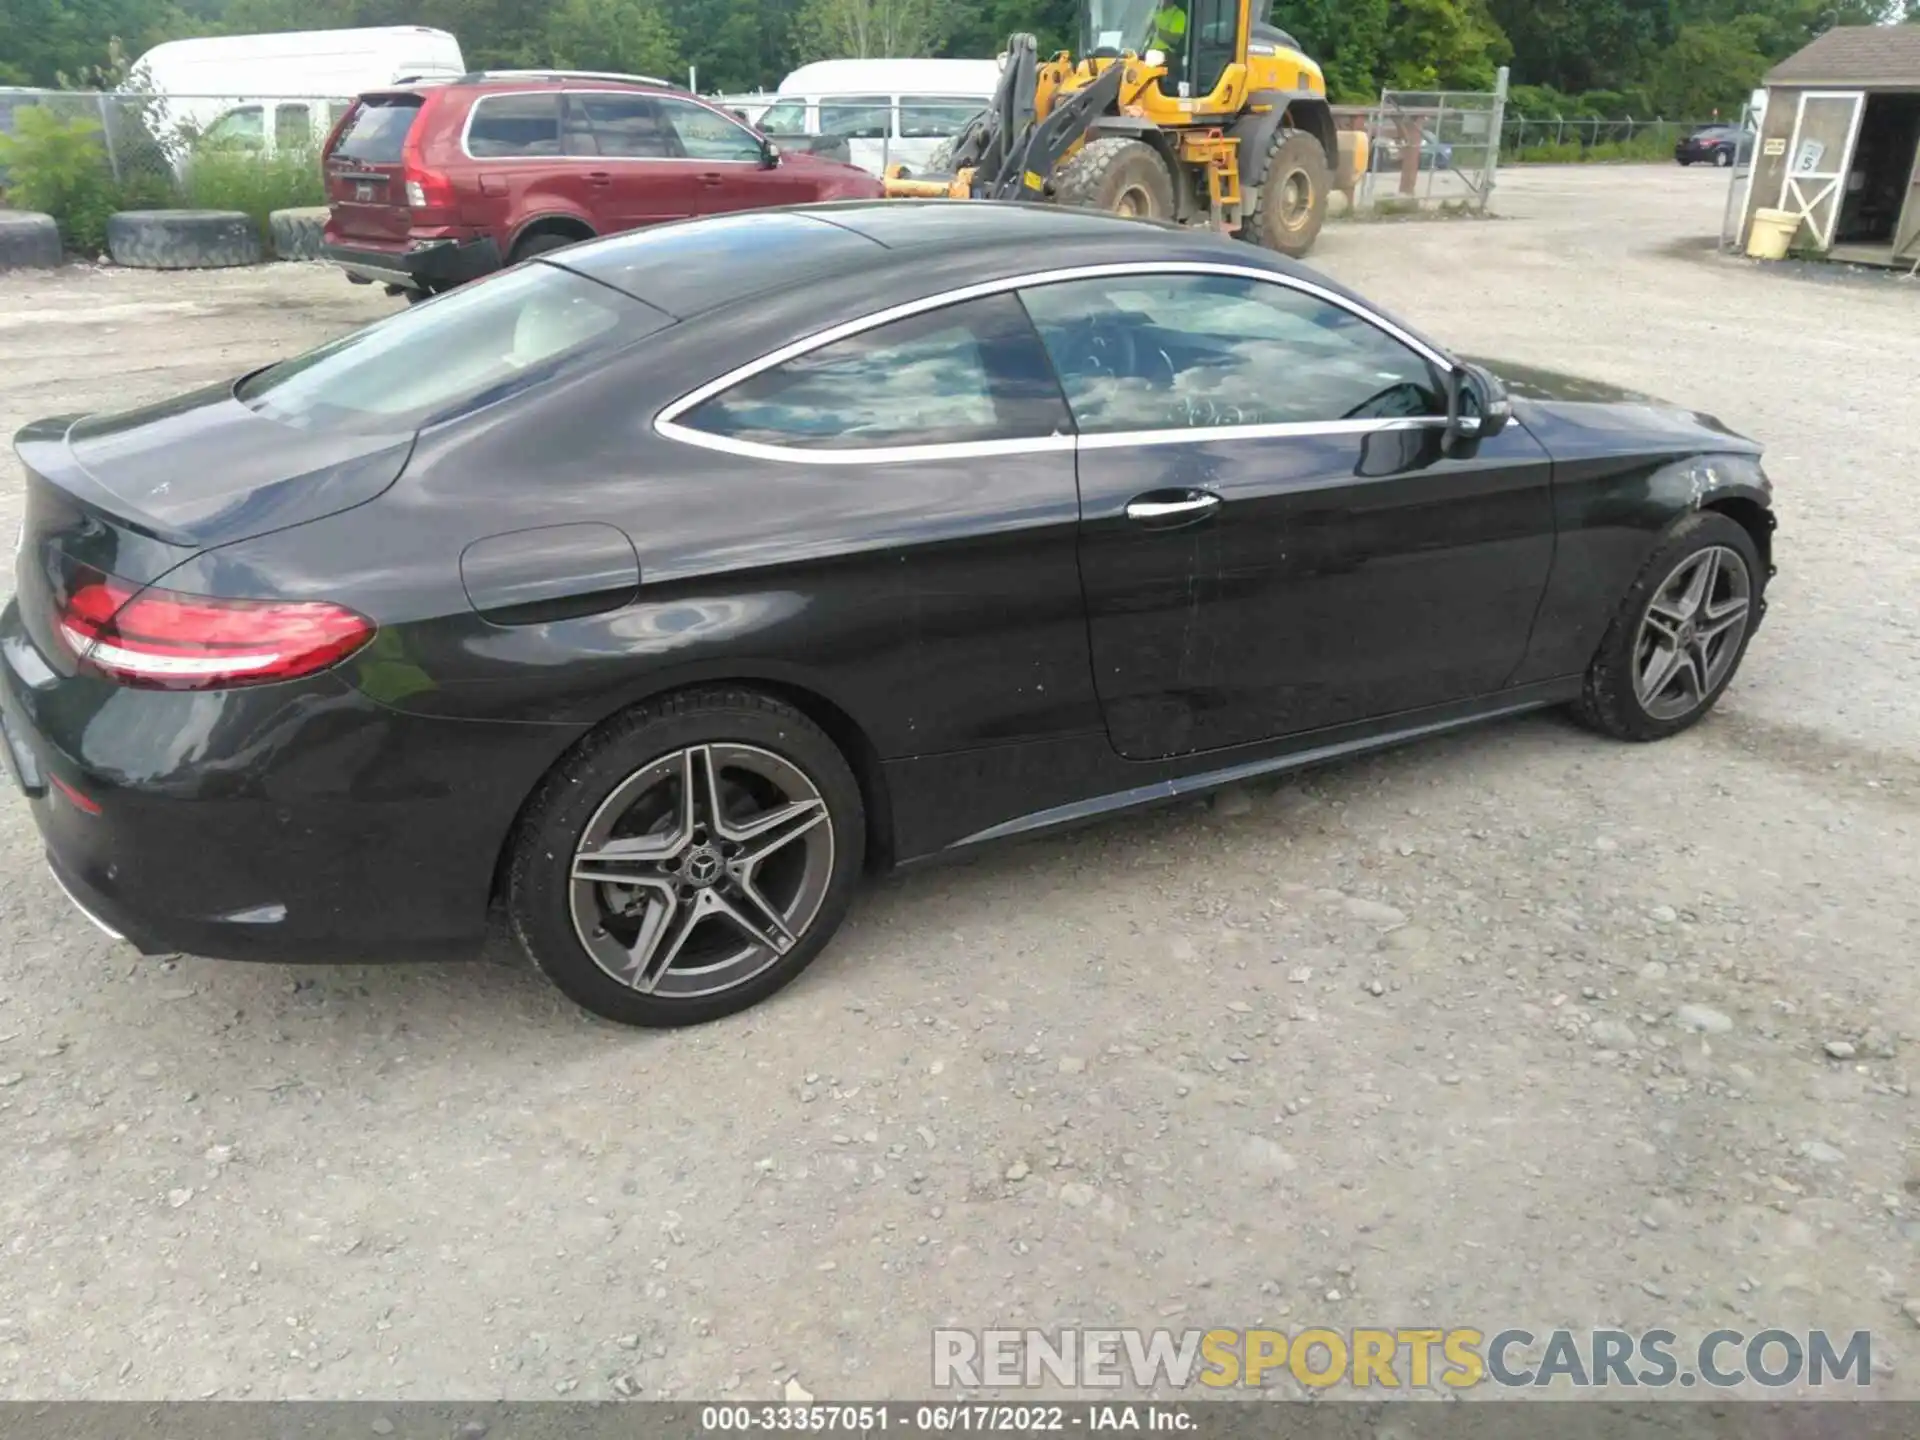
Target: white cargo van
x,y
889,111
270,92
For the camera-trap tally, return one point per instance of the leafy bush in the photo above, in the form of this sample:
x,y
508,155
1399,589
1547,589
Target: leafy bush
x,y
60,167
233,179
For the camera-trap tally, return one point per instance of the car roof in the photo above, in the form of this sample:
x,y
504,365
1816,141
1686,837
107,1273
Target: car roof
x,y
888,251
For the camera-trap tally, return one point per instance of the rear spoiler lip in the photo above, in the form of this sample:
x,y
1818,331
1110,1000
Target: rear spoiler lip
x,y
44,448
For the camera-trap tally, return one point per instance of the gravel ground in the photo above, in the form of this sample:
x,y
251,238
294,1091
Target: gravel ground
x,y
1518,1027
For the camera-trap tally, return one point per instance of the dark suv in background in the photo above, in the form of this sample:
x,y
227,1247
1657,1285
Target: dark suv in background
x,y
432,184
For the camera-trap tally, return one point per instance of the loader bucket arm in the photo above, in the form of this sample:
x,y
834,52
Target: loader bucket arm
x,y
1033,152
983,145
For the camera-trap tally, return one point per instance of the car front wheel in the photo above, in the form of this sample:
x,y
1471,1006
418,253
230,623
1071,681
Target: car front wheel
x,y
1680,633
689,859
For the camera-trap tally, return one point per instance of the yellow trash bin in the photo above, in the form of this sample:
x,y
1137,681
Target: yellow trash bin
x,y
1772,233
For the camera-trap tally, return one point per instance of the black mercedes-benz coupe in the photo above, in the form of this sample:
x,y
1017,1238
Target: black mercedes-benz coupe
x,y
658,588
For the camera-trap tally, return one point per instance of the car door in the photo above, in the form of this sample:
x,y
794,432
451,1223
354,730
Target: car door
x,y
515,140
1273,539
922,512
632,159
723,160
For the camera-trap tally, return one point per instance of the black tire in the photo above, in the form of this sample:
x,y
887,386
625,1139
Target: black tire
x,y
296,233
1685,163
28,240
183,239
1119,176
1292,205
1610,702
415,297
1722,158
541,890
532,245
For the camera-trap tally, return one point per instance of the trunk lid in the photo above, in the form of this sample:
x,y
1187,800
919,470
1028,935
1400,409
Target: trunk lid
x,y
108,497
366,167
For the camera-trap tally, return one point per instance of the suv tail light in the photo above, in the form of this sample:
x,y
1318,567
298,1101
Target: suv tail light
x,y
164,640
426,189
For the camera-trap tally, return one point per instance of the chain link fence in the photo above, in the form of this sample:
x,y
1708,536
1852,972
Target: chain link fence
x,y
1551,138
148,140
1427,150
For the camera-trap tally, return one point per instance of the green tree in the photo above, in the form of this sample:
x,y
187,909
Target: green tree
x,y
1442,45
627,35
1346,37
855,29
1710,66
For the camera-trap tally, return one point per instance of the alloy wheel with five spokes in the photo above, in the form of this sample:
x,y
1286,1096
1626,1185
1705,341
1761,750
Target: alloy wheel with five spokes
x,y
701,869
1691,632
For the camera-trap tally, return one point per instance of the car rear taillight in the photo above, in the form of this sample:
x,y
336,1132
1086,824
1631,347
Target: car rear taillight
x,y
164,640
426,189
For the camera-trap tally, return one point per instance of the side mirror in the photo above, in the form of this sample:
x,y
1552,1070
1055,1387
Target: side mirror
x,y
769,154
1477,406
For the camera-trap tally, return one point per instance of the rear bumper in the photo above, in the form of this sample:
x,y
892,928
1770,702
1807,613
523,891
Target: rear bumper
x,y
418,264
290,823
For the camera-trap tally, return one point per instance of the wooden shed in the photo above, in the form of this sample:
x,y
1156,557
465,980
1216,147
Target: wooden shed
x,y
1839,145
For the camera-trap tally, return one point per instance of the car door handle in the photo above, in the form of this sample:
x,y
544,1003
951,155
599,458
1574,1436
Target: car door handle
x,y
710,178
1163,506
599,177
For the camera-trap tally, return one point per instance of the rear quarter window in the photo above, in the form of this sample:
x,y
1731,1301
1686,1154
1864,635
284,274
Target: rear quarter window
x,y
473,346
377,132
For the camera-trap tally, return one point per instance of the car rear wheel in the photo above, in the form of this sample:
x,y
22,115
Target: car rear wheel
x,y
1679,635
1723,158
539,245
689,859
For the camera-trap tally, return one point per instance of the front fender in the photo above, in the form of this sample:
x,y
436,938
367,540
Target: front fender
x,y
1610,512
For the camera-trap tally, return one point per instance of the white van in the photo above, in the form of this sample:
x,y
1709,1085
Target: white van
x,y
268,92
889,111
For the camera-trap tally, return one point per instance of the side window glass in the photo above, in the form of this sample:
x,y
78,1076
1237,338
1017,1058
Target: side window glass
x,y
625,126
1158,352
973,371
936,118
292,127
789,117
707,134
244,128
504,125
856,117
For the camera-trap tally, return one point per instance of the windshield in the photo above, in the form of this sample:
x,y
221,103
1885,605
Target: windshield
x,y
480,343
1117,25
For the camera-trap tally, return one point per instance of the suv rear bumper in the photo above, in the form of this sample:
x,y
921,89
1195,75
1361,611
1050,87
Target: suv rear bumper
x,y
418,264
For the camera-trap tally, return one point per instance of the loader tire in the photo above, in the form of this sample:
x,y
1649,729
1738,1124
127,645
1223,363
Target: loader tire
x,y
1293,195
1119,176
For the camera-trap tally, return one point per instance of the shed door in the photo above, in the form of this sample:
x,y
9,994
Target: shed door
x,y
1817,157
1906,236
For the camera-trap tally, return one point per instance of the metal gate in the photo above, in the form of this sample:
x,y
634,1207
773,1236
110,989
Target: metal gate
x,y
1824,129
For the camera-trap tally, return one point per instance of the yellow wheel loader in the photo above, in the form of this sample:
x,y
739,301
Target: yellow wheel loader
x,y
1192,111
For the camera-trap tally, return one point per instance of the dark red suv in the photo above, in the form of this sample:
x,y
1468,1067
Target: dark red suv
x,y
432,184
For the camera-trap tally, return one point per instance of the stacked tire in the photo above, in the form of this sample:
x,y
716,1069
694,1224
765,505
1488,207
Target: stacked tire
x,y
28,240
296,233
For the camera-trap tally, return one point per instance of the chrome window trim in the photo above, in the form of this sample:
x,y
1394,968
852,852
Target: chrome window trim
x,y
666,422
466,129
